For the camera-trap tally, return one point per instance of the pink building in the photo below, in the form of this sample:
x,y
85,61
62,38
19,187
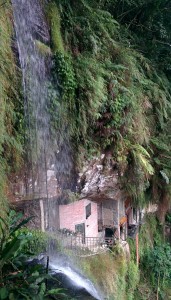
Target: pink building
x,y
93,218
80,216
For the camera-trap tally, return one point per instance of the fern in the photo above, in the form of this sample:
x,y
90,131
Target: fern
x,y
121,96
10,137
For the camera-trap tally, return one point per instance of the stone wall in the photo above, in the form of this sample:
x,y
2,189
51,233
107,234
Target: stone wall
x,y
29,208
45,213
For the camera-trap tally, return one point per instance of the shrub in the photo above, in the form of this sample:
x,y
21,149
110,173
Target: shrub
x,y
18,280
158,260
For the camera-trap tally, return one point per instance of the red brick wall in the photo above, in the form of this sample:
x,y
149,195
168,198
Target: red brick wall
x,y
75,213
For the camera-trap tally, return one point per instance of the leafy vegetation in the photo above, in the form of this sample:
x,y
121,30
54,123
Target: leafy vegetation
x,y
38,242
11,115
154,268
158,260
111,271
113,68
111,65
18,279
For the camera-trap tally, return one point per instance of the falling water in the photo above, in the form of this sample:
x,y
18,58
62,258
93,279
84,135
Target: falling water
x,y
30,29
73,278
49,164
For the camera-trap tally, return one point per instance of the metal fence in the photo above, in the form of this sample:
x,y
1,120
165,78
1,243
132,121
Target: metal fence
x,y
86,245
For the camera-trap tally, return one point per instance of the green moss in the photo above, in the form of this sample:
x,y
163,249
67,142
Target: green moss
x,y
10,138
55,25
107,272
132,279
42,48
121,100
151,234
117,277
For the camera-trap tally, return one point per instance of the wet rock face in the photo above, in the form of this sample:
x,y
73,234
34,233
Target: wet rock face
x,y
48,156
20,187
29,208
39,210
99,179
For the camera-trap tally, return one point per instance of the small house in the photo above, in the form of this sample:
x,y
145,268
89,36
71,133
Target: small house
x,y
94,219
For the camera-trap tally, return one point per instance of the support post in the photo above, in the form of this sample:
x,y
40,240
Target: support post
x,y
137,249
118,220
42,215
47,271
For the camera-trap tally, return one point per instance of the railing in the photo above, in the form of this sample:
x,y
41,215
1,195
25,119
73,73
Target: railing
x,y
86,245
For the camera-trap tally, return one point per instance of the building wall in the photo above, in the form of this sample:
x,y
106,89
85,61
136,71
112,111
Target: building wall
x,y
110,212
75,213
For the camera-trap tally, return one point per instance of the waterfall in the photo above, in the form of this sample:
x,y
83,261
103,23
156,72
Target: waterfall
x,y
30,29
48,161
73,279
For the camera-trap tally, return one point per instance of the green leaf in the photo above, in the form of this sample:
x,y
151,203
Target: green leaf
x,y
42,289
11,249
3,293
21,224
165,177
58,291
12,296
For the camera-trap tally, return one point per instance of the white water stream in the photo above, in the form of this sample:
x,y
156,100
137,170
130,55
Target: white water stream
x,y
62,266
49,166
47,162
48,156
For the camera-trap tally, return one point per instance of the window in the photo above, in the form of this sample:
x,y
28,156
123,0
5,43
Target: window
x,y
100,219
135,214
80,228
88,210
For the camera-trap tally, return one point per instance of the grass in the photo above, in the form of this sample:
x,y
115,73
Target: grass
x,y
108,272
55,25
10,146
